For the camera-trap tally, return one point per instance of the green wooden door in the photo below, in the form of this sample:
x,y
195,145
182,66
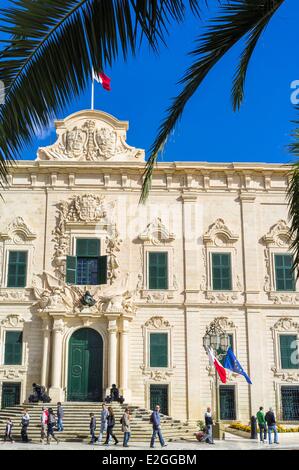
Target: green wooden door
x,y
10,394
85,366
159,396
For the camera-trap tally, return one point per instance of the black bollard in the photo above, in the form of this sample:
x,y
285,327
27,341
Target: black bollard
x,y
253,428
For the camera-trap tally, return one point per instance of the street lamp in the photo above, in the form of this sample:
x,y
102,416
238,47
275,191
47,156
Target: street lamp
x,y
217,339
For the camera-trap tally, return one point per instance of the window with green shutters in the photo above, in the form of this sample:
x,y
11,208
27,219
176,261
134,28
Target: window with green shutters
x,y
158,350
221,271
87,267
13,348
288,352
17,269
158,270
285,280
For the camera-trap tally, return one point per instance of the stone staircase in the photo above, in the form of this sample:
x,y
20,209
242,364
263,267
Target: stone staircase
x,y
76,423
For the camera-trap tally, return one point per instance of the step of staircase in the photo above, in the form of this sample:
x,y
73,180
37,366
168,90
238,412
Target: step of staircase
x,y
76,422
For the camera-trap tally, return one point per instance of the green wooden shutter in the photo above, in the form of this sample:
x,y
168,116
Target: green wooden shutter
x,y
221,271
13,348
287,352
158,270
17,269
88,247
71,269
284,274
102,269
158,350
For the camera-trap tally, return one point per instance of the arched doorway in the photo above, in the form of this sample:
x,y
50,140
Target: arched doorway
x,y
85,366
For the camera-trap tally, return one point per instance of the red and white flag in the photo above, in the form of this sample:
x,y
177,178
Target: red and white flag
x,y
219,367
103,80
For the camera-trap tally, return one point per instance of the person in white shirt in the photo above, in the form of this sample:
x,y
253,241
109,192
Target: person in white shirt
x,y
209,426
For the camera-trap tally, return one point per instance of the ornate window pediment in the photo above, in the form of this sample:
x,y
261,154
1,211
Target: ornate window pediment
x,y
156,233
278,235
157,322
223,322
219,235
286,324
18,232
13,321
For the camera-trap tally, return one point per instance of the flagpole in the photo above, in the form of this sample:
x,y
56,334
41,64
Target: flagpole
x,y
92,92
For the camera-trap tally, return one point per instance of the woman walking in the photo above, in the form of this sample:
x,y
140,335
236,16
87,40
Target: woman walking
x,y
43,422
50,426
110,427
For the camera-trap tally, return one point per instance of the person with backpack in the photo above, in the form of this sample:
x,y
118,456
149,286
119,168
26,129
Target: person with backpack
x,y
8,431
43,422
50,426
271,422
60,415
24,426
125,427
92,427
110,427
155,419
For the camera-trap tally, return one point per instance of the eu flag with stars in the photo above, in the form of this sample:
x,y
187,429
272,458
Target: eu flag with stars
x,y
232,363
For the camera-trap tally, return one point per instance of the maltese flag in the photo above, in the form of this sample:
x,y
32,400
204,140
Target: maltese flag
x,y
219,367
103,80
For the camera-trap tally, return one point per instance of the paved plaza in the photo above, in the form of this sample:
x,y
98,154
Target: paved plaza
x,y
288,441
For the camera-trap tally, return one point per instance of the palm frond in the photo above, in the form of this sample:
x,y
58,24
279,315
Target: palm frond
x,y
53,46
251,42
293,201
236,19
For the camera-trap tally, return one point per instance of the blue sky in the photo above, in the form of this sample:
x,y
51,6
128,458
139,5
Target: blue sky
x,y
209,130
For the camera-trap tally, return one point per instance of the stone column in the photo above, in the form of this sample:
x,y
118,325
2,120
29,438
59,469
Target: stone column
x,y
124,360
46,352
192,227
257,352
56,392
255,328
112,353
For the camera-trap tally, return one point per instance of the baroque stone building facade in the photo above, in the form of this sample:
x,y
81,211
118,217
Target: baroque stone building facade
x,y
211,245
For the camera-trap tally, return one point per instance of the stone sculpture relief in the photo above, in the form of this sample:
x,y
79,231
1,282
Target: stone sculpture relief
x,y
91,136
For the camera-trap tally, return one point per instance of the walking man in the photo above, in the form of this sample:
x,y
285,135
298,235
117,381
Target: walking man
x,y
104,423
51,424
110,427
271,422
125,427
60,415
262,424
92,427
209,425
25,424
156,422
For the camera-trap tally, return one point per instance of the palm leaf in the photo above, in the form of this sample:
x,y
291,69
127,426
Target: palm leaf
x,y
293,201
237,19
54,45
